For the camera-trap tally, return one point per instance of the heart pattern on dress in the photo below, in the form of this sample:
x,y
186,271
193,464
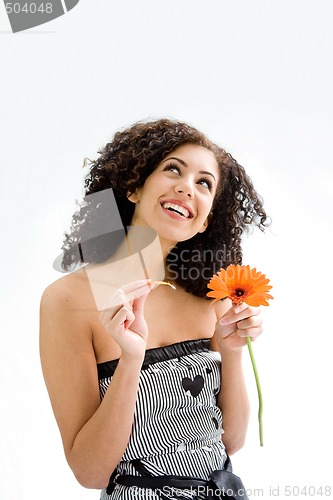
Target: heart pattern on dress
x,y
194,386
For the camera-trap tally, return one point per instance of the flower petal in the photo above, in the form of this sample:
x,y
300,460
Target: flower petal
x,y
235,279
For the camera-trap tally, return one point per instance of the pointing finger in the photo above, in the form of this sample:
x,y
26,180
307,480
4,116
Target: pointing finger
x,y
138,303
238,313
137,289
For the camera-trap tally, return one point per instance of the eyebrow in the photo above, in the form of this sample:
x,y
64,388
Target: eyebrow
x,y
186,165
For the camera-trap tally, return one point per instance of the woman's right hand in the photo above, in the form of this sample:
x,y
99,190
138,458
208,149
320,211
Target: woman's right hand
x,y
124,321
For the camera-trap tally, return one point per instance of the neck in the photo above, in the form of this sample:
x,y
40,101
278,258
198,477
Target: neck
x,y
151,249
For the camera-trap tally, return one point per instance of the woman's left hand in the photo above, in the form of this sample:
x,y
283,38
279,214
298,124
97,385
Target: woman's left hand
x,y
239,322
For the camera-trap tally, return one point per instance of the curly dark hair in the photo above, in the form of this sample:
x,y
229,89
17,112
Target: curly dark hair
x,y
124,165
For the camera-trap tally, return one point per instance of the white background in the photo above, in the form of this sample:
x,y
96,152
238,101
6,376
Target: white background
x,y
257,77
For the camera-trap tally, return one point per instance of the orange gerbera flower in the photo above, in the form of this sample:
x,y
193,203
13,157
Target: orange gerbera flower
x,y
240,284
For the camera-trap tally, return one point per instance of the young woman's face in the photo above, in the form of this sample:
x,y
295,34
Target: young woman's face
x,y
177,197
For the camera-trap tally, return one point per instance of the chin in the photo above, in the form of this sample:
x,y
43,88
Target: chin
x,y
175,237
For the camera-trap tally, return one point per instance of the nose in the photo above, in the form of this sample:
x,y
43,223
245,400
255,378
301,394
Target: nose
x,y
185,187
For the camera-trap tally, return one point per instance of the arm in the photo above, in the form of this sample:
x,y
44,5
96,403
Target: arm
x,y
229,339
95,434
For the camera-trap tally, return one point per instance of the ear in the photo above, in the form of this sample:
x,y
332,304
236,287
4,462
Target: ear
x,y
134,197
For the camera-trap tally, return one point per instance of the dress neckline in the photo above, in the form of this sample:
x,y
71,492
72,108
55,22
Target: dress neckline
x,y
158,354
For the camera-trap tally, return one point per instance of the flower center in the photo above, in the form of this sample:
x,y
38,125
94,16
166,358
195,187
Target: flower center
x,y
239,292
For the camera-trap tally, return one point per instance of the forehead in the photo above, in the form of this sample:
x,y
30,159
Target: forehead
x,y
195,156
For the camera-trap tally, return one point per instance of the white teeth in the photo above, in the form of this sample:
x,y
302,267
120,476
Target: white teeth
x,y
183,211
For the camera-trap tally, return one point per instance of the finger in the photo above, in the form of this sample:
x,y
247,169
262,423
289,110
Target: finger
x,y
229,333
235,340
226,330
231,316
136,285
123,318
106,315
113,314
126,294
139,302
253,333
118,300
137,289
237,313
250,322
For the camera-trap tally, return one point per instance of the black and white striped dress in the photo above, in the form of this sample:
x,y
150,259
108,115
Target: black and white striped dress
x,y
177,425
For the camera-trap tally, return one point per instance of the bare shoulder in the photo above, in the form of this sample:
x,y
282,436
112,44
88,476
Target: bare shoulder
x,y
69,299
66,313
68,291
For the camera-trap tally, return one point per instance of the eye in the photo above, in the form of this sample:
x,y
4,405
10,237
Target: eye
x,y
171,167
206,182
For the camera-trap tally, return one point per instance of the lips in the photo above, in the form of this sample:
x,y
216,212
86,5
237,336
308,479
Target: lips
x,y
178,208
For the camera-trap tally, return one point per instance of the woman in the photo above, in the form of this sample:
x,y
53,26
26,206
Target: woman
x,y
155,350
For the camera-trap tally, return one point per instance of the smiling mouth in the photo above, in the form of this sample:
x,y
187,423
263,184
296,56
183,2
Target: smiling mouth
x,y
173,207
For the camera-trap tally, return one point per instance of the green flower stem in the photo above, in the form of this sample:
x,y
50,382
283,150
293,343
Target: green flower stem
x,y
249,345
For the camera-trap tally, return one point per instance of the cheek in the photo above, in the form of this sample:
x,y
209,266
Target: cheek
x,y
154,185
209,204
206,213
